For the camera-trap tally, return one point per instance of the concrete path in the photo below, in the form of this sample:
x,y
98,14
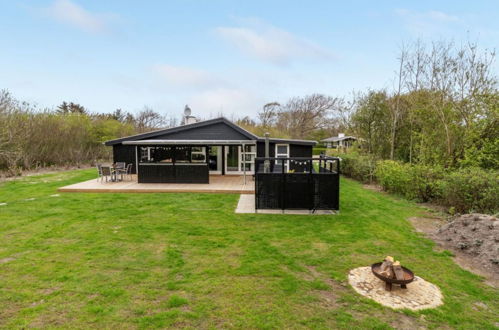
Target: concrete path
x,y
246,204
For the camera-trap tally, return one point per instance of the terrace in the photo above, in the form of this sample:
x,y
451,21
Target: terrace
x,y
233,184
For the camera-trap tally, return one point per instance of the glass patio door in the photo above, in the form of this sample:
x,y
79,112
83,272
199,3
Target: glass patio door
x,y
232,159
215,159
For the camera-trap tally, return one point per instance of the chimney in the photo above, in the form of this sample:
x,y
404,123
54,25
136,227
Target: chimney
x,y
340,135
188,119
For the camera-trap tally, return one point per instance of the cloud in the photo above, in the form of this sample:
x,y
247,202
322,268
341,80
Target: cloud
x,y
270,44
440,16
68,12
428,22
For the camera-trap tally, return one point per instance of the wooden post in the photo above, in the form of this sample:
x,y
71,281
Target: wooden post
x,y
223,160
244,163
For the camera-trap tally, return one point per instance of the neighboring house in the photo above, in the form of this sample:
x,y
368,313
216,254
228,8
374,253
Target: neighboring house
x,y
340,141
189,153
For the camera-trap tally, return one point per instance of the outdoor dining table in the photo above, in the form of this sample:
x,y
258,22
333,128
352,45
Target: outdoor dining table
x,y
115,171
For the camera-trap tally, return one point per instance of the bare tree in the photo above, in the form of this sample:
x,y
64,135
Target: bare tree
x,y
148,120
415,67
300,116
395,109
268,115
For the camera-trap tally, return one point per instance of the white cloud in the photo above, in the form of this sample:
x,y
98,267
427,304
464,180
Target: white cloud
x,y
178,76
68,12
270,44
428,22
440,16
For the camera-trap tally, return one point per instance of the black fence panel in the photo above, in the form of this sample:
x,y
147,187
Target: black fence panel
x,y
297,183
268,188
326,191
297,191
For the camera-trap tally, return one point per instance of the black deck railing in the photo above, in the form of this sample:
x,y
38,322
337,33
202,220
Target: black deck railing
x,y
311,183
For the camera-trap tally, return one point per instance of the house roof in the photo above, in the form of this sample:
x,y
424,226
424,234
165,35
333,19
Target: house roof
x,y
158,135
336,138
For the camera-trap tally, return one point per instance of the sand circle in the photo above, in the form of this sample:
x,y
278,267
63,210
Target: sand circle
x,y
419,294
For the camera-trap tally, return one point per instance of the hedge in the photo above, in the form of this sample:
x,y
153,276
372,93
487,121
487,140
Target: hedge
x,y
461,190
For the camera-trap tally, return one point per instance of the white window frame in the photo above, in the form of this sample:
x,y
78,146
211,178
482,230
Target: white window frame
x,y
280,155
252,155
148,153
202,152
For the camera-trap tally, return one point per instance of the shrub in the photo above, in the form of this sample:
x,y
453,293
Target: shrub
x,y
471,190
392,176
416,182
318,150
358,167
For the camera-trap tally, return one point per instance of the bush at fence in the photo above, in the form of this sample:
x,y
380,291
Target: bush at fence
x,y
358,167
416,182
463,190
471,190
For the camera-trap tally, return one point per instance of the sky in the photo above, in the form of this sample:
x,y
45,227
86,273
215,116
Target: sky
x,y
219,57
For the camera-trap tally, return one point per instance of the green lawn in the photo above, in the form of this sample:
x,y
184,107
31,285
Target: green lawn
x,y
186,260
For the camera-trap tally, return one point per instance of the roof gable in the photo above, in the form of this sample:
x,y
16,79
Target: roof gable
x,y
213,129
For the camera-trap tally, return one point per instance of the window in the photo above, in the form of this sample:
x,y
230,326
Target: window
x,y
145,153
162,154
183,155
249,158
282,151
198,155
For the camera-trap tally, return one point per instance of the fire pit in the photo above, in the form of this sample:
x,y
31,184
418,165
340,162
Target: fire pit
x,y
392,273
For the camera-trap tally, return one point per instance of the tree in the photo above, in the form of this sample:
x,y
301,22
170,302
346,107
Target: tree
x,y
268,115
301,116
149,120
395,109
370,122
71,108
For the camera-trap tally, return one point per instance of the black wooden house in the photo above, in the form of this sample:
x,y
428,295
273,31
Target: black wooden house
x,y
190,153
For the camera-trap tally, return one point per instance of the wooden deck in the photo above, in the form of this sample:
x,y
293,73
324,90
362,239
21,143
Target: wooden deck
x,y
229,184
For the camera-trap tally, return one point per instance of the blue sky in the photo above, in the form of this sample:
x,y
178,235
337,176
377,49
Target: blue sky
x,y
217,56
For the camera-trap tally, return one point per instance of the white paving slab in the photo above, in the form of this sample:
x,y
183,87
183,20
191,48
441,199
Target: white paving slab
x,y
246,204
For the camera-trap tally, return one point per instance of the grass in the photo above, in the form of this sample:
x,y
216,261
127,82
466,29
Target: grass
x,y
187,260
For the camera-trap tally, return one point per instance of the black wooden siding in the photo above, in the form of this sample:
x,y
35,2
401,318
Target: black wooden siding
x,y
218,131
123,153
260,149
295,150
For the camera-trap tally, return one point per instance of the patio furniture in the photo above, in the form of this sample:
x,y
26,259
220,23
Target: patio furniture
x,y
128,171
99,171
119,165
106,172
123,171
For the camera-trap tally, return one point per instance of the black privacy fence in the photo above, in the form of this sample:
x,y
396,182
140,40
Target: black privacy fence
x,y
311,183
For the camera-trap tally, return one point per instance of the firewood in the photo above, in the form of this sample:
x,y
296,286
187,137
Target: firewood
x,y
397,269
387,273
387,263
